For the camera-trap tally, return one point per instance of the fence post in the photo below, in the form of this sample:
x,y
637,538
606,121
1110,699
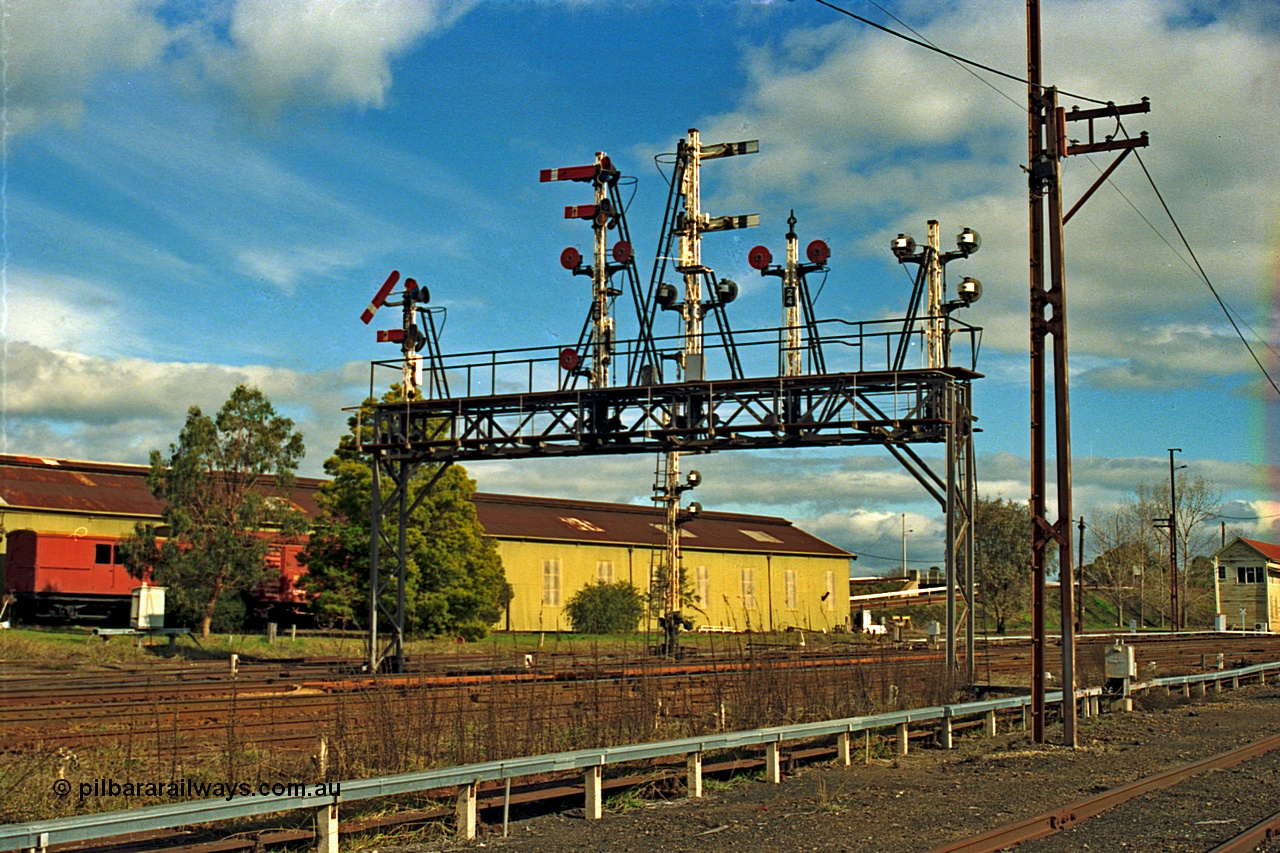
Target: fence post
x,y
327,829
842,749
902,739
326,816
772,763
991,723
945,732
591,778
693,774
466,812
1186,689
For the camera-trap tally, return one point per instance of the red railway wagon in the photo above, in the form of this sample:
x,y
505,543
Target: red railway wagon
x,y
60,577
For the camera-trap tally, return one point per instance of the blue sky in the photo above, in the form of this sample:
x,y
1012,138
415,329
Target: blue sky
x,y
199,194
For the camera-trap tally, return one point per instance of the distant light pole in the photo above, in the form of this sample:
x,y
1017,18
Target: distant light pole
x,y
905,531
1175,615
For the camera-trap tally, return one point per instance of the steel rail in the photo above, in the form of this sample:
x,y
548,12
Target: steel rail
x,y
1055,820
1265,830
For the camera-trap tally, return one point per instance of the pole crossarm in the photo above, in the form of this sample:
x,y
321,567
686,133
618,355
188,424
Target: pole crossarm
x,y
890,408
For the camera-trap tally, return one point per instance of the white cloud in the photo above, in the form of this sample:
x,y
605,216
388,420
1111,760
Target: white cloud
x,y
57,51
118,409
269,52
907,136
328,51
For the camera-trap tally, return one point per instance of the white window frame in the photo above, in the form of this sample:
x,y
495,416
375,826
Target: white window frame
x,y
747,578
702,576
604,571
550,583
789,588
830,601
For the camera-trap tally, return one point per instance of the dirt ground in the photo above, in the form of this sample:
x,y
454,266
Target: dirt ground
x,y
933,796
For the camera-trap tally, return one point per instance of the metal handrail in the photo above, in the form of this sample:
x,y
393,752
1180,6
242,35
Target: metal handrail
x,y
41,834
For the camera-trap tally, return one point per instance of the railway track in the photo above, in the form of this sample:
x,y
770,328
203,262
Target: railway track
x,y
285,706
1142,810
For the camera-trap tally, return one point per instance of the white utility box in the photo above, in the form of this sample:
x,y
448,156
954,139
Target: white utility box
x,y
146,610
1121,662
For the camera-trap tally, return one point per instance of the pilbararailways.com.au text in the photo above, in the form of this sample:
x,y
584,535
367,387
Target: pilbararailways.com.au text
x,y
194,789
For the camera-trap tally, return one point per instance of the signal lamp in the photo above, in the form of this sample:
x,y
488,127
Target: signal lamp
x,y
570,258
818,252
968,241
726,290
902,246
622,251
969,291
666,296
759,258
694,478
695,509
569,359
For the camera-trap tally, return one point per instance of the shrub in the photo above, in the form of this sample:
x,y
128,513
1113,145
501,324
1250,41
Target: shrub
x,y
605,608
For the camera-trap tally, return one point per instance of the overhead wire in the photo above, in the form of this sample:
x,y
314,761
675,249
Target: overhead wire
x,y
969,64
1204,276
955,57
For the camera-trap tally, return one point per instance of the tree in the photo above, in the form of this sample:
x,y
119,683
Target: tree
x,y
454,581
1131,523
217,509
1002,557
605,608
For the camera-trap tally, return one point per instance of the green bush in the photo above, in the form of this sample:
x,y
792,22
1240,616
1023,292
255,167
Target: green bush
x,y
605,608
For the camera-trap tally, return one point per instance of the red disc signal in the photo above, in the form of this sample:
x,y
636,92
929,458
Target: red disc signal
x,y
818,252
570,258
569,360
622,252
759,258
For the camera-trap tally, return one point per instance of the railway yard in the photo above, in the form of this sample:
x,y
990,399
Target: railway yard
x,y
268,720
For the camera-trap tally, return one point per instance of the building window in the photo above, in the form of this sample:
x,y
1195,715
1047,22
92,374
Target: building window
x,y
703,577
830,598
1222,573
748,589
789,587
1250,574
579,524
550,583
684,532
760,536
604,571
105,555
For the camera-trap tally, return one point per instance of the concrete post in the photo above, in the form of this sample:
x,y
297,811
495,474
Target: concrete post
x,y
1024,718
591,779
1186,689
842,749
944,735
772,763
1203,688
1217,685
902,739
1262,677
991,723
693,774
327,829
466,812
1235,682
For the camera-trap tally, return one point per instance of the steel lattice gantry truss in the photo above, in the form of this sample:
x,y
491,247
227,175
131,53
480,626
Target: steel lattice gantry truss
x,y
895,409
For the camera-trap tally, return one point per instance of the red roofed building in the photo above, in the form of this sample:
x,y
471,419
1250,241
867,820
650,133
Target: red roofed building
x,y
747,571
1248,584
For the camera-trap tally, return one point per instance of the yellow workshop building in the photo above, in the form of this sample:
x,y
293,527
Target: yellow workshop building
x,y
748,572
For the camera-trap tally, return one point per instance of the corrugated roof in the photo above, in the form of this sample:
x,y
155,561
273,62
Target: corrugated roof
x,y
1266,549
97,488
553,519
73,486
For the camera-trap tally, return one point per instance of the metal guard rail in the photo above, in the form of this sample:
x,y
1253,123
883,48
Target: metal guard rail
x,y
40,834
